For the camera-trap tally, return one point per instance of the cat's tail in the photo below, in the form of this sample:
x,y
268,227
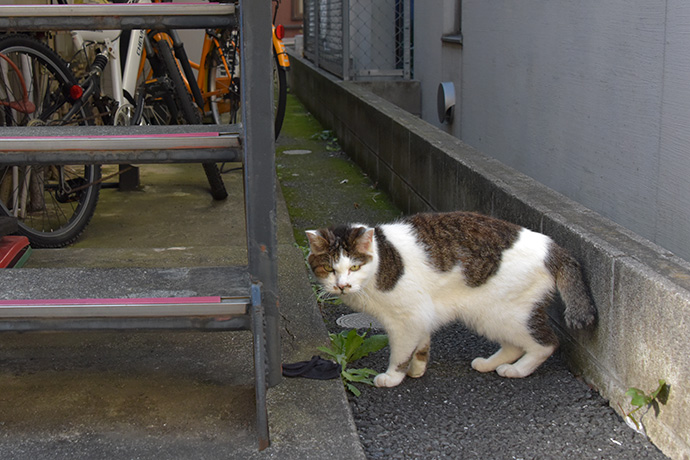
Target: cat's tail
x,y
579,308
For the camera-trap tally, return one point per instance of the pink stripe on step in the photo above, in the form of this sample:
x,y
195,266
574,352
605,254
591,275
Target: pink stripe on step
x,y
137,136
146,301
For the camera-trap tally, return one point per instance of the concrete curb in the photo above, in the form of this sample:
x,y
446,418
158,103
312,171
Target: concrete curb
x,y
300,428
642,291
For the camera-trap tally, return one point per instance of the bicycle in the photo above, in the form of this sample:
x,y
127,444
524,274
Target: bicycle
x,y
216,87
54,204
161,99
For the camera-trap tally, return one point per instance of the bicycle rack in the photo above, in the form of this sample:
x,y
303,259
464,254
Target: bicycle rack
x,y
256,308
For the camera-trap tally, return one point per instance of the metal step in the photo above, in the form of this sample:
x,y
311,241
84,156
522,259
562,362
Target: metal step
x,y
215,306
120,144
198,298
117,16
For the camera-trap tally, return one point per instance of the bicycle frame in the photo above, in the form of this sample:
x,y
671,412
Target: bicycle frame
x,y
123,81
209,43
279,49
25,105
202,70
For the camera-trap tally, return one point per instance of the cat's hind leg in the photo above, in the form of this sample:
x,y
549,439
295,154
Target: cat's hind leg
x,y
538,340
505,355
529,362
420,359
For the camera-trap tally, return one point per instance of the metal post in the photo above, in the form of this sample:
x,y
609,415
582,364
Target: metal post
x,y
257,314
259,164
316,5
407,41
346,39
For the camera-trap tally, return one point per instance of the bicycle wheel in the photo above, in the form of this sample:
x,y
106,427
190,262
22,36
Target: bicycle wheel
x,y
53,203
279,94
225,107
186,110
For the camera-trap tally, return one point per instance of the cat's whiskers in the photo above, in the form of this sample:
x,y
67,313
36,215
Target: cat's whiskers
x,y
361,297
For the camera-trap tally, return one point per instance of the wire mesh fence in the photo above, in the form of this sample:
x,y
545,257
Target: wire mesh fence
x,y
360,39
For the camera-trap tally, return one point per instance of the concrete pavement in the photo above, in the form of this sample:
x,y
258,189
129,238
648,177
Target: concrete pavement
x,y
173,395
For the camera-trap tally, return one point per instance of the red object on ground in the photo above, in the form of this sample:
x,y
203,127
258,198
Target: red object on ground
x,y
12,248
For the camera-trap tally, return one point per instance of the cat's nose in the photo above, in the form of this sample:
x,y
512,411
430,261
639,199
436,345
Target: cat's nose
x,y
342,287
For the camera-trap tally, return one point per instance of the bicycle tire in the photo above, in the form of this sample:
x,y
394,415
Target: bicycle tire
x,y
232,89
279,94
189,113
60,200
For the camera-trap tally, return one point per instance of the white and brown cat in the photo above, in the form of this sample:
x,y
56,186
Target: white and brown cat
x,y
427,270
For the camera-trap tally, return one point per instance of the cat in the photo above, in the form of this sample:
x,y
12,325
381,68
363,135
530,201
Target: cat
x,y
428,270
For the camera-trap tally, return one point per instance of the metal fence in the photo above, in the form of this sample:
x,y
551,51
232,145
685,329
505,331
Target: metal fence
x,y
360,39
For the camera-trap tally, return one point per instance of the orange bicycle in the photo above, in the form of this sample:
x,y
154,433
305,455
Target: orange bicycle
x,y
216,87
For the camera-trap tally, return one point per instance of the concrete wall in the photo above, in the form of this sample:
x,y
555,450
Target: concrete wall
x,y
642,291
590,98
406,94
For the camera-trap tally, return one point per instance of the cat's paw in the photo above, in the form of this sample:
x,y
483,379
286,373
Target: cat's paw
x,y
416,373
482,365
510,371
417,369
388,380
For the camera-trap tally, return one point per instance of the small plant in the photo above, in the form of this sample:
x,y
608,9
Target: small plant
x,y
328,136
349,346
324,135
640,399
323,297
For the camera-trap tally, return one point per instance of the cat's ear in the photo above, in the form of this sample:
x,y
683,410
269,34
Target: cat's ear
x,y
365,241
317,243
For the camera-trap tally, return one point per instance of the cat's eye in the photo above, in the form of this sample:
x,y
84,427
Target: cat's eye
x,y
354,268
328,268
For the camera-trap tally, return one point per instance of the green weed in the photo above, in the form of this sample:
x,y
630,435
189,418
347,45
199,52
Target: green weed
x,y
639,399
349,346
331,140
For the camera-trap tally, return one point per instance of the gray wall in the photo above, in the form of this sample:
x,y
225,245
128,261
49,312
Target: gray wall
x,y
590,98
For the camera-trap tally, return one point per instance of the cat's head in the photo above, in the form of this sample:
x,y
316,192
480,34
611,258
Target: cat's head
x,y
343,259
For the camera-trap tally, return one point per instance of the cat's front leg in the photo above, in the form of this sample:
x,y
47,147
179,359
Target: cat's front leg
x,y
420,359
389,379
404,345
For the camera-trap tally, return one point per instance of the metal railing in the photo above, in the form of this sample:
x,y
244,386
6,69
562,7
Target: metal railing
x,y
360,39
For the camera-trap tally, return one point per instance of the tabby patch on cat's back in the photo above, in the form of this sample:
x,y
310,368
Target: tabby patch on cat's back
x,y
424,271
477,247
